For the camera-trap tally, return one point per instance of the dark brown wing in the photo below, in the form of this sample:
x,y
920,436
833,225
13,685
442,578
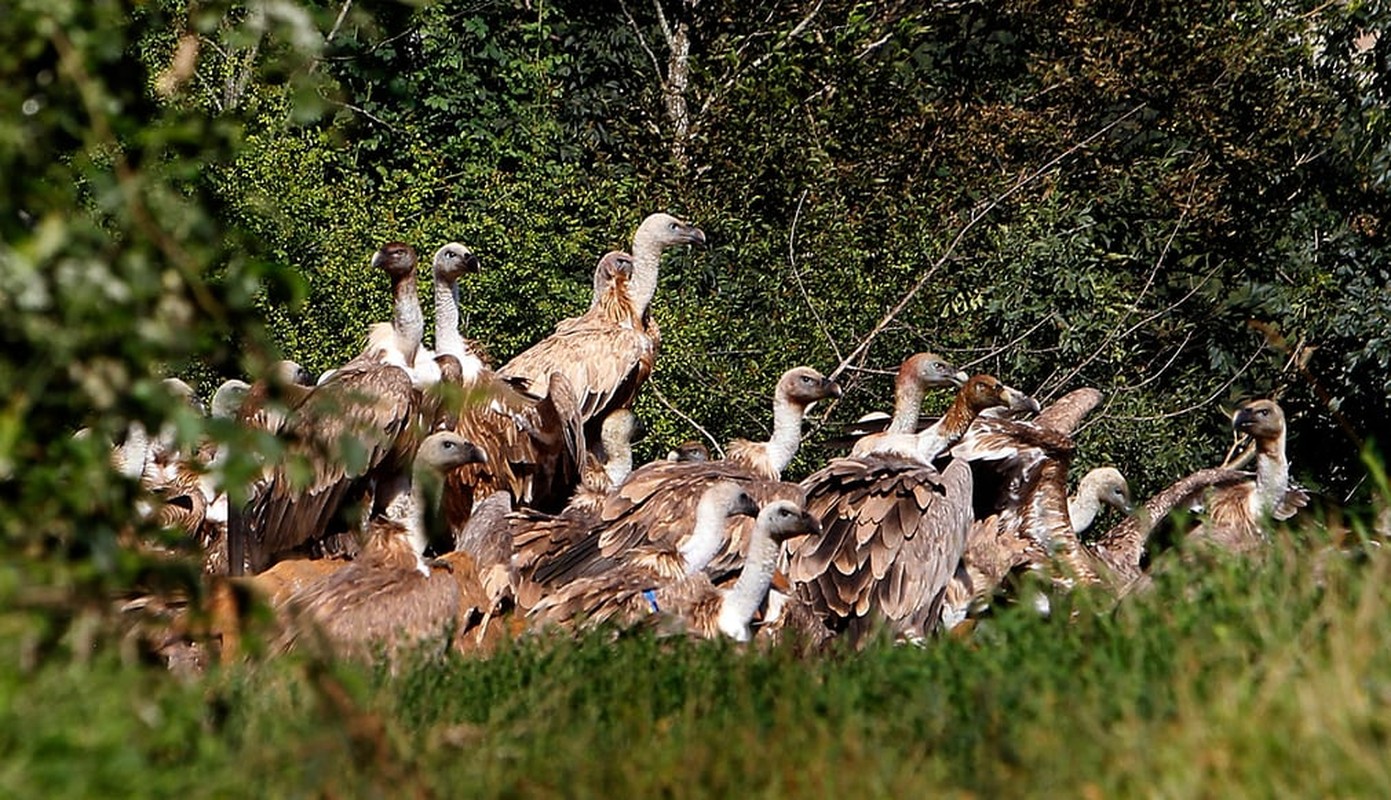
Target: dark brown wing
x,y
893,531
355,430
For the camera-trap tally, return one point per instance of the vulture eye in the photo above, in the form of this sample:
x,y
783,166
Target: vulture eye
x,y
1264,412
672,225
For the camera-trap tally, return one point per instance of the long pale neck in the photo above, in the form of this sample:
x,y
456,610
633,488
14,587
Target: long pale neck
x,y
448,340
705,540
406,317
741,600
908,400
1272,474
1082,509
619,464
787,433
647,261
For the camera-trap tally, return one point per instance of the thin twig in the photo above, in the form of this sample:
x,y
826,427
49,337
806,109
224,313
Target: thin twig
x,y
661,398
797,276
338,23
976,217
642,40
1002,348
1194,407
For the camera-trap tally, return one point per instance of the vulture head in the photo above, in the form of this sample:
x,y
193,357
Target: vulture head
x,y
396,259
228,399
985,391
1262,420
446,450
729,499
621,427
802,386
931,371
668,231
1108,486
289,373
689,451
784,519
453,261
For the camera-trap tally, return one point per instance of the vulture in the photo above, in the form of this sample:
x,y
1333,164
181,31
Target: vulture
x,y
350,435
607,353
1022,509
1237,515
629,595
929,443
535,445
553,551
894,527
797,390
390,595
918,373
657,501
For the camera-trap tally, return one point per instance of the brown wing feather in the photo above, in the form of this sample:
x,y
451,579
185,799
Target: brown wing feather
x,y
884,553
1065,414
356,429
605,365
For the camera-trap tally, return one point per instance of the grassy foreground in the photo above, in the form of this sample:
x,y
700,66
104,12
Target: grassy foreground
x,y
1231,679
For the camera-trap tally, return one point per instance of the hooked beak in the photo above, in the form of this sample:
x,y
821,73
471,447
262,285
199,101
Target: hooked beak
x,y
695,236
1018,401
1243,420
806,525
745,506
831,388
959,379
639,430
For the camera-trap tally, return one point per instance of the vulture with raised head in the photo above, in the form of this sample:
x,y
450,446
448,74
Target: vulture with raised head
x,y
894,529
352,434
628,595
797,390
1238,515
918,373
977,396
535,445
607,353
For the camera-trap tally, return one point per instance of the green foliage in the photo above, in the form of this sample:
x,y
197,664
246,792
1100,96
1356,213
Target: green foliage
x,y
1224,678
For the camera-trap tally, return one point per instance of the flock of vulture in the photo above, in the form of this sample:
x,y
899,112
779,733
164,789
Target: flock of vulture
x,y
424,497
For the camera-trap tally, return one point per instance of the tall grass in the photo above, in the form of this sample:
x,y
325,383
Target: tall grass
x,y
1228,678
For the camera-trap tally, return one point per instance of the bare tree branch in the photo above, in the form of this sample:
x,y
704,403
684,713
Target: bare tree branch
x,y
338,23
686,418
797,276
980,213
642,40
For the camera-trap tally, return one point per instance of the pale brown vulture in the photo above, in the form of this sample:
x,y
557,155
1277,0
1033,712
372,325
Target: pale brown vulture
x,y
390,595
894,530
607,353
929,443
634,593
918,373
535,445
797,390
1238,516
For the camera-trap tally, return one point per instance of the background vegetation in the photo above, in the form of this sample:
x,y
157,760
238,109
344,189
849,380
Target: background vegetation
x,y
1183,204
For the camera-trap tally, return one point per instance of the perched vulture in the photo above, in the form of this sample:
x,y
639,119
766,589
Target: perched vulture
x,y
352,434
389,595
607,353
535,445
918,373
626,596
797,390
894,530
1238,515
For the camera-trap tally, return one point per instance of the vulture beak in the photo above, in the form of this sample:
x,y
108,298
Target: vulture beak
x,y
639,430
473,454
959,379
471,262
805,525
695,236
745,506
1018,401
377,259
1243,420
831,388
